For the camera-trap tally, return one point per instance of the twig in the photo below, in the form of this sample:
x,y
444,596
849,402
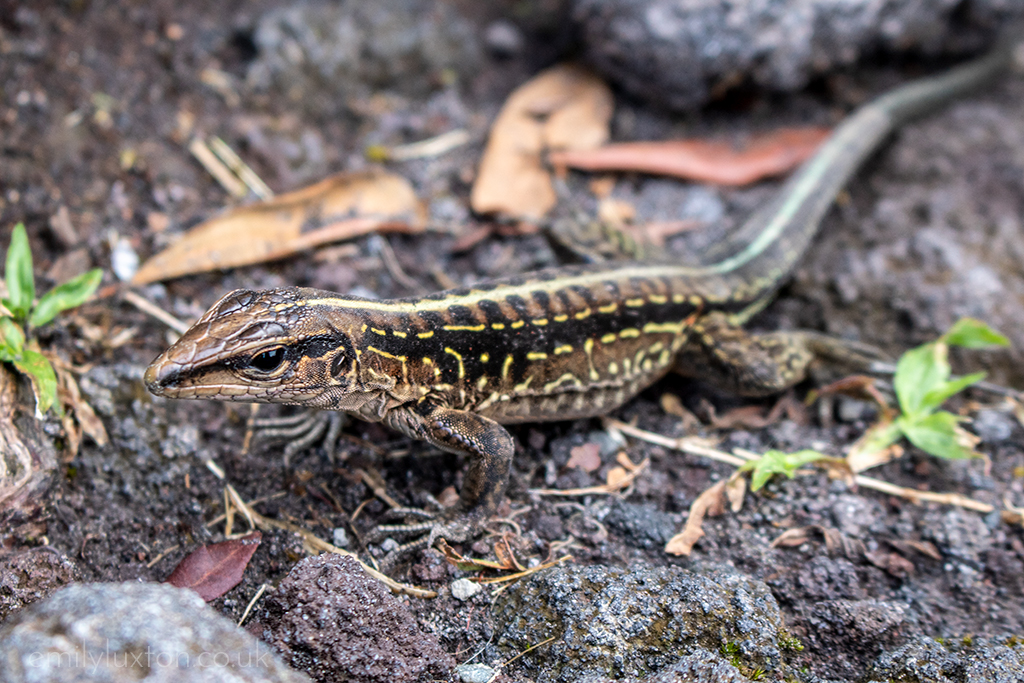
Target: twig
x,y
688,445
215,167
916,496
149,308
240,168
431,147
252,603
395,269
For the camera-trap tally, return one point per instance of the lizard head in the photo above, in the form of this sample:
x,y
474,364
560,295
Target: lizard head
x,y
263,346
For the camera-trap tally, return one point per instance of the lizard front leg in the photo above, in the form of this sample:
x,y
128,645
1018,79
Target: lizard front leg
x,y
489,447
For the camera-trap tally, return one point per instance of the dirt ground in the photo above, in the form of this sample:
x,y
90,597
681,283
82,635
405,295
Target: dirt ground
x,y
99,102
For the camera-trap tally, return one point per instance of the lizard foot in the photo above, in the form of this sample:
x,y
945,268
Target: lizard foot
x,y
453,525
301,431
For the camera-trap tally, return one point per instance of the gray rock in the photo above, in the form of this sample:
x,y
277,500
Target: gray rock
x,y
699,667
992,426
132,632
854,515
852,632
619,623
679,52
958,534
334,51
474,673
953,660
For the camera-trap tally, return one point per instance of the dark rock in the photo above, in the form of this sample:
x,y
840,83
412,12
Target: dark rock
x,y
958,533
680,53
331,620
820,578
854,515
700,666
621,623
851,633
31,575
992,426
999,660
132,632
644,526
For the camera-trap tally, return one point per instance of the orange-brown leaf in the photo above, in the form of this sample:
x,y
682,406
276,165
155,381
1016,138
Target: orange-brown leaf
x,y
341,207
564,107
212,570
708,161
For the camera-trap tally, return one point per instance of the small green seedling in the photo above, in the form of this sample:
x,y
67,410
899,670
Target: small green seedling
x,y
20,314
922,383
777,462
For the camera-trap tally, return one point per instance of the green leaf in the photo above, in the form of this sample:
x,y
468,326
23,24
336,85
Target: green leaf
x,y
920,371
973,334
12,339
937,396
21,286
72,293
44,379
778,462
941,435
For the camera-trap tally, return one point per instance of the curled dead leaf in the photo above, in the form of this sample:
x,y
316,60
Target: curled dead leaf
x,y
341,207
764,156
735,490
835,541
708,504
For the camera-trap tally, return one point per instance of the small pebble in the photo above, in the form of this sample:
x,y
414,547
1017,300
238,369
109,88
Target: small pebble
x,y
474,673
464,589
124,261
503,38
992,426
852,410
340,538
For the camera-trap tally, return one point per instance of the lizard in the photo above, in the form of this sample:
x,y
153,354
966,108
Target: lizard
x,y
454,367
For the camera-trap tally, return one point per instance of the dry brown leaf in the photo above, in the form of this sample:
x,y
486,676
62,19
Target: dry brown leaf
x,y
743,417
892,563
708,504
341,207
908,547
617,212
763,156
791,538
586,457
212,570
562,108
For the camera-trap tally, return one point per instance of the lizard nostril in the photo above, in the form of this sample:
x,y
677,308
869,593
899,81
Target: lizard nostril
x,y
159,375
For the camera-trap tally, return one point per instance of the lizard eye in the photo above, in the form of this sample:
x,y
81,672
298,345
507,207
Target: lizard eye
x,y
267,361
